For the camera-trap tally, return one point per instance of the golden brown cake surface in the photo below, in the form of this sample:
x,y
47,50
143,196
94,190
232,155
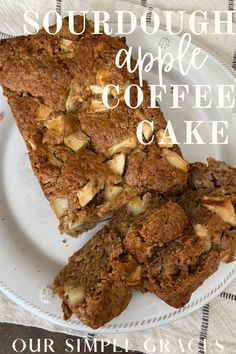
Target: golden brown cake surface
x,y
86,156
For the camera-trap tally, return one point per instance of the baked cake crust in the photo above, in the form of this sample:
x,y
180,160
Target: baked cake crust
x,y
86,157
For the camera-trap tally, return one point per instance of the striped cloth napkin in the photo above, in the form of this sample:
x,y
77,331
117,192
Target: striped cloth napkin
x,y
212,328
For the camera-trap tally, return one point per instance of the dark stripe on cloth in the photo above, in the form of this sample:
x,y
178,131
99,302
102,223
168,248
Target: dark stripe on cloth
x,y
5,35
144,3
228,296
58,6
149,15
234,61
231,5
90,336
204,328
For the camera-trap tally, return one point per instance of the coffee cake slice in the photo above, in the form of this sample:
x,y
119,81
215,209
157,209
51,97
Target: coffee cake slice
x,y
95,285
86,157
167,248
181,265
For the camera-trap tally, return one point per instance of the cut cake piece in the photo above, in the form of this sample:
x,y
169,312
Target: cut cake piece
x,y
167,248
95,285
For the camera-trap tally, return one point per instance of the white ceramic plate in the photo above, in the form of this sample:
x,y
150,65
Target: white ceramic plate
x,y
32,250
